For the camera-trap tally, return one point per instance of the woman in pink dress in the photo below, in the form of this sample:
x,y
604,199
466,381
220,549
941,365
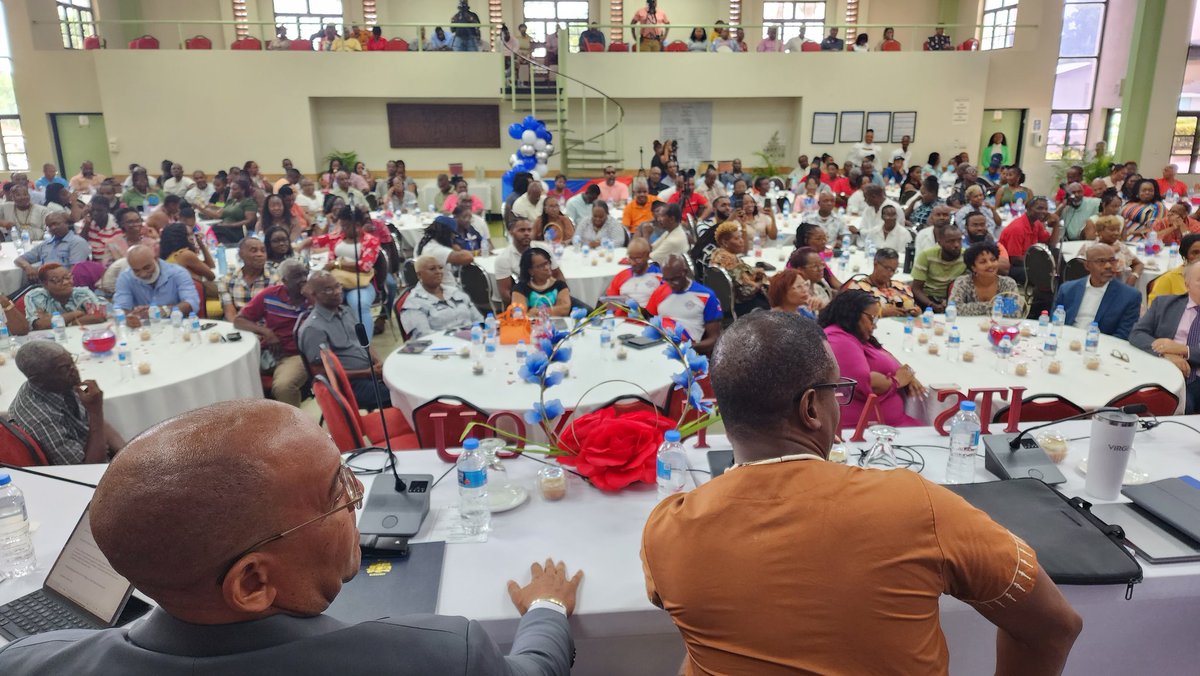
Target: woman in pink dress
x,y
849,322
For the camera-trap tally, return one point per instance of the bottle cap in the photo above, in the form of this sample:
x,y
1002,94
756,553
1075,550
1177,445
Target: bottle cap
x,y
672,436
5,479
966,406
471,444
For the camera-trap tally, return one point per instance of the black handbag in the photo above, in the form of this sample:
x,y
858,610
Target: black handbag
x,y
1073,546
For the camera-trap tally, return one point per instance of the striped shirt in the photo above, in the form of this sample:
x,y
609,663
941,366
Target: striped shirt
x,y
59,423
272,307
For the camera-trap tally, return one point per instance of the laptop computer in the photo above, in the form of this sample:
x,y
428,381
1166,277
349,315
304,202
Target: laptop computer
x,y
1176,501
82,591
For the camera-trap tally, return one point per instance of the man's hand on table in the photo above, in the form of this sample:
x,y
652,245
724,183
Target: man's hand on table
x,y
548,582
1165,346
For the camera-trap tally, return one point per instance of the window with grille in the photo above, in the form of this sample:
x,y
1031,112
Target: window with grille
x,y
306,18
999,24
1066,138
543,17
616,16
241,16
495,17
792,18
735,11
851,20
12,138
1184,144
75,20
370,12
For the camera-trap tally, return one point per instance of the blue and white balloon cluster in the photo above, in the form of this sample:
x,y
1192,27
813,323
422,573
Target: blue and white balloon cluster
x,y
535,149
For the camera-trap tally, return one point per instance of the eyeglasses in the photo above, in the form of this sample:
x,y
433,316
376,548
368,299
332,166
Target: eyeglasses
x,y
1117,354
353,490
874,318
843,390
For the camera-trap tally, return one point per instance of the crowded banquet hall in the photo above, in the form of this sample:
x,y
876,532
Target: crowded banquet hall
x,y
458,326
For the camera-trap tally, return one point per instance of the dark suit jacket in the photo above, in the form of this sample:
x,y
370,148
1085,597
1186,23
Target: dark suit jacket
x,y
1118,310
1161,321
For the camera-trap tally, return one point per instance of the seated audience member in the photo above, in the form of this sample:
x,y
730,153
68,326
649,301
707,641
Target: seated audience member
x,y
200,193
278,246
1076,211
271,315
537,287
894,297
888,234
579,207
311,201
849,322
274,213
508,261
353,252
885,579
811,266
463,196
238,216
60,199
170,211
832,43
935,269
1029,229
1113,307
433,306
344,187
147,281
813,237
1013,187
974,198
826,216
1108,231
788,292
331,324
87,180
710,188
749,283
132,233
20,212
58,293
757,221
64,414
927,237
977,233
687,305
612,190
1074,175
1143,208
638,281
1171,283
530,205
177,184
246,593
674,240
1169,186
238,287
440,241
560,189
974,292
554,226
691,205
179,246
874,200
99,227
1176,223
641,208
61,246
601,227
939,41
140,191
921,205
1171,329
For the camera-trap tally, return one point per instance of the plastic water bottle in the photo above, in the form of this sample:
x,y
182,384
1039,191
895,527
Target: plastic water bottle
x,y
951,309
26,242
476,341
997,310
758,246
910,340
489,352
154,318
964,438
927,319
6,341
1003,352
871,249
1050,349
194,323
671,466
19,241
490,326
472,489
125,360
16,546
954,345
522,352
222,262
1044,323
1141,248
844,260
60,327
1152,245
1091,344
1059,319
606,343
177,322
1173,255
846,242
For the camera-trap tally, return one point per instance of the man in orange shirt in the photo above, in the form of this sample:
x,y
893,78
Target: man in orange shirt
x,y
792,564
1168,183
641,208
650,39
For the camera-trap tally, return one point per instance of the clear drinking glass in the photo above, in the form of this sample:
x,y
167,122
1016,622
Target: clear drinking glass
x,y
882,455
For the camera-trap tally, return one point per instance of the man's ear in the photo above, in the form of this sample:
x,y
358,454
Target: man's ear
x,y
806,411
249,587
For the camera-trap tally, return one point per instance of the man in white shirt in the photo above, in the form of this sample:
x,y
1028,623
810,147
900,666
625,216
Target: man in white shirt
x,y
579,207
20,213
1114,307
866,148
874,200
352,196
177,184
889,235
710,188
529,206
772,43
927,237
796,44
311,201
799,174
508,259
674,239
200,192
904,151
827,217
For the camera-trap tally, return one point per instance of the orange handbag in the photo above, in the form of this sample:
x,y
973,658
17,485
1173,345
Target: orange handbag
x,y
514,328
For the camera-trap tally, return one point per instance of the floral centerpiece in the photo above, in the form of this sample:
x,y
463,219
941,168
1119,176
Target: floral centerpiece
x,y
608,447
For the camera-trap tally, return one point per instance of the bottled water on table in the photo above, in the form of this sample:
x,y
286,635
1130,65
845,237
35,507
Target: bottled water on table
x,y
472,489
844,260
606,343
964,438
490,348
910,340
177,320
1044,323
846,242
490,326
16,545
476,341
26,242
997,310
1091,344
155,318
125,360
1003,352
671,466
195,325
1173,255
757,246
927,318
951,308
954,344
1059,319
119,320
60,327
522,351
6,341
1050,348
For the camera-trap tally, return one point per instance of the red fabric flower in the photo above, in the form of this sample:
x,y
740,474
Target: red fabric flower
x,y
614,450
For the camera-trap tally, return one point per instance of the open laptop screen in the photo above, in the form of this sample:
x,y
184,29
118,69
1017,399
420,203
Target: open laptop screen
x,y
82,575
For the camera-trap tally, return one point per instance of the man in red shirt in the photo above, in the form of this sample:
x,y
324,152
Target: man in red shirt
x,y
1168,183
1074,175
1029,229
693,205
271,315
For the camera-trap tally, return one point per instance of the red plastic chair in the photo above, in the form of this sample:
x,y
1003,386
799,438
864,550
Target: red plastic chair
x,y
618,47
399,306
202,311
371,423
677,46
890,46
1041,408
810,46
301,46
197,42
396,45
248,43
594,46
1158,399
343,426
970,45
18,448
925,46
94,42
144,42
440,423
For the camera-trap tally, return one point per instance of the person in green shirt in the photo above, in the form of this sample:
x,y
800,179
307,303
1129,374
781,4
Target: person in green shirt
x,y
1075,210
237,216
140,192
936,268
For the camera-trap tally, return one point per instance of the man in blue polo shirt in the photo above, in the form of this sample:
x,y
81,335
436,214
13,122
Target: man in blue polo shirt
x,y
149,281
688,305
50,175
62,246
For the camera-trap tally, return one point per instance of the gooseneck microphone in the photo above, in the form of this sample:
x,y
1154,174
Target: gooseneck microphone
x,y
1135,409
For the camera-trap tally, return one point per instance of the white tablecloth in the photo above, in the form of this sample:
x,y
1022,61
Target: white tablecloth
x,y
417,378
618,631
12,278
587,276
1154,265
183,376
1087,388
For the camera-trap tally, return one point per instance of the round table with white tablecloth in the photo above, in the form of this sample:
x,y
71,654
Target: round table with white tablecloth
x,y
858,263
1154,265
12,278
439,371
182,376
1088,388
411,226
587,276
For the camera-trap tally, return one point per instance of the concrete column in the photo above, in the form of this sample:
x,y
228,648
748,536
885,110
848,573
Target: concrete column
x,y
1139,77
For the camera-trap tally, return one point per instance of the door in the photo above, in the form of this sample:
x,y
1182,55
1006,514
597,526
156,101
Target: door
x,y
1011,123
79,137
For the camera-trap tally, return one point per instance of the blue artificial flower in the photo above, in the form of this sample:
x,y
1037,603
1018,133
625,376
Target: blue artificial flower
x,y
553,378
563,355
676,350
578,313
550,411
652,328
697,363
534,367
681,380
632,305
695,399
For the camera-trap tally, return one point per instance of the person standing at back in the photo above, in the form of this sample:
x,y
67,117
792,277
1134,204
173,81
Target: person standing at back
x,y
811,586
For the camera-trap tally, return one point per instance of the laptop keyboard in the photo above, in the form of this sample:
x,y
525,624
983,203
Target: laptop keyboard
x,y
36,613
